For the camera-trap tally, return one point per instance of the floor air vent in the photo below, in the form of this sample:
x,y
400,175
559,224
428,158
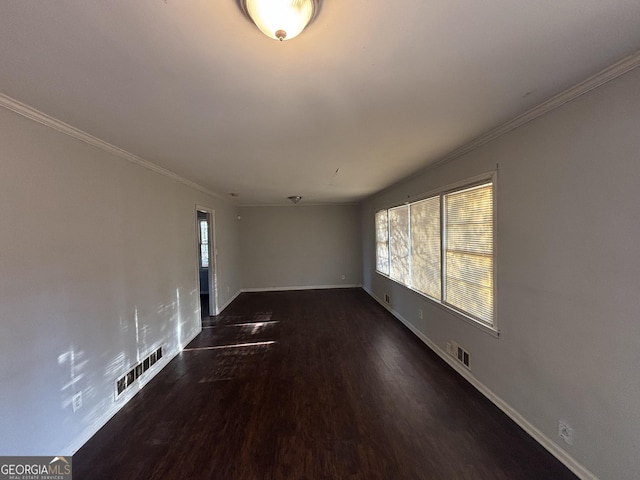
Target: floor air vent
x,y
459,353
132,375
463,356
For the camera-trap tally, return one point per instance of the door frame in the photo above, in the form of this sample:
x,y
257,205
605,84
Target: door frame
x,y
213,261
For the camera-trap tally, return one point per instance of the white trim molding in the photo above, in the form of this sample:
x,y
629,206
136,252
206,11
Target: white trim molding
x,y
118,404
228,302
58,125
303,287
284,289
566,459
610,73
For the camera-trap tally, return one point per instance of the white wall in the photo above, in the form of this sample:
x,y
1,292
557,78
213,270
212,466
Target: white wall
x,y
98,263
300,246
568,284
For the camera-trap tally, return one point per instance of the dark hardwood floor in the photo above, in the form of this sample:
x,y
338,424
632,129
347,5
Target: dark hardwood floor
x,y
328,385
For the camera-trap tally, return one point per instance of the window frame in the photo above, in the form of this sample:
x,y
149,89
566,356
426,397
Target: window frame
x,y
383,242
440,255
201,243
398,251
485,178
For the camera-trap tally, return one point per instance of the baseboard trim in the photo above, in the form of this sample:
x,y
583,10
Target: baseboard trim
x,y
228,302
566,459
125,398
303,287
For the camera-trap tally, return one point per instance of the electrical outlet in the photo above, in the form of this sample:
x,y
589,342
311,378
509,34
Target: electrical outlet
x,y
450,348
76,402
344,277
420,314
565,432
387,298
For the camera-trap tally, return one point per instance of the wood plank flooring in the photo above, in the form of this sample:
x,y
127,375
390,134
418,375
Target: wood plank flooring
x,y
327,385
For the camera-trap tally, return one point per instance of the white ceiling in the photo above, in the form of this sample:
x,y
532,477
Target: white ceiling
x,y
375,88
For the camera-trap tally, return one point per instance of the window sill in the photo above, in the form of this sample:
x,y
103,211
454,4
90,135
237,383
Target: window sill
x,y
494,332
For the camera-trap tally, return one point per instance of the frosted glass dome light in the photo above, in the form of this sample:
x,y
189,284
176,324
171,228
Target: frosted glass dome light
x,y
281,19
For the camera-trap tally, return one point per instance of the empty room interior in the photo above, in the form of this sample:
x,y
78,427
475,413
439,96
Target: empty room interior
x,y
393,240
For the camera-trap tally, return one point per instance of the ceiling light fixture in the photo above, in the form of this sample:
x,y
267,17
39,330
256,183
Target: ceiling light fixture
x,y
295,198
281,19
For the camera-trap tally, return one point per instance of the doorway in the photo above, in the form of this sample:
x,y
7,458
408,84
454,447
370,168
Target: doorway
x,y
205,226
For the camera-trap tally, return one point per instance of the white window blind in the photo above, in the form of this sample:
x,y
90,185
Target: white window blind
x,y
399,244
382,242
468,246
425,247
442,247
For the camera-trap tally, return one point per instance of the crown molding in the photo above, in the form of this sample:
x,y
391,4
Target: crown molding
x,y
616,70
292,205
610,73
58,125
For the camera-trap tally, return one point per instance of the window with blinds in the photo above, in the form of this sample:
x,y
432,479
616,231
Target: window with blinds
x,y
399,244
204,243
469,251
442,247
382,242
425,247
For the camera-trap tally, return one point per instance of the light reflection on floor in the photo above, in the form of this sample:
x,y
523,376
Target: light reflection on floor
x,y
256,325
236,345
